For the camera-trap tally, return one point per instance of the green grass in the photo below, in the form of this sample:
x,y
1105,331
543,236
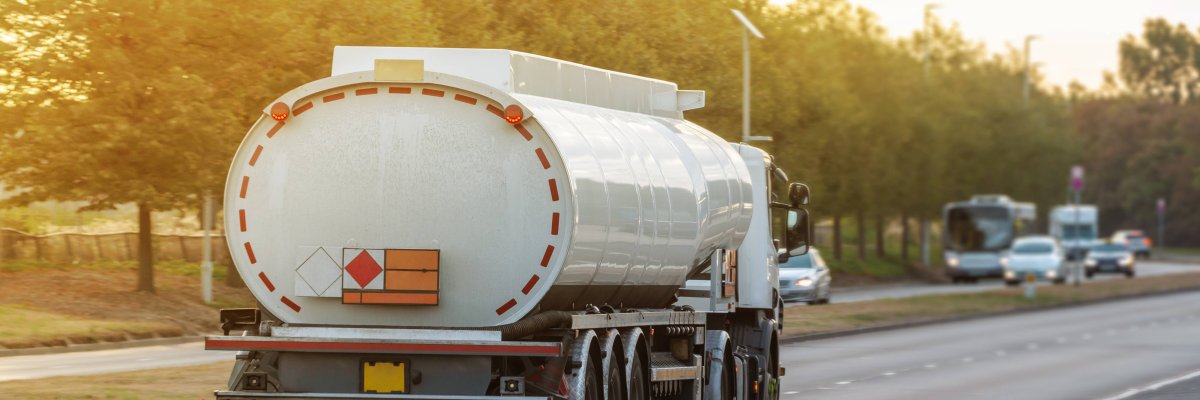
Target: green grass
x,y
27,327
1180,251
173,267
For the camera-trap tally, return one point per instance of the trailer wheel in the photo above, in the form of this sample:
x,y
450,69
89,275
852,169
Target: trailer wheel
x,y
592,388
637,378
615,387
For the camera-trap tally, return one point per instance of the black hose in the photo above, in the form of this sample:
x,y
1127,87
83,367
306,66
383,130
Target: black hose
x,y
537,323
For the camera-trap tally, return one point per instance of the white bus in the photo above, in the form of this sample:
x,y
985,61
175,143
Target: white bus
x,y
978,233
1076,228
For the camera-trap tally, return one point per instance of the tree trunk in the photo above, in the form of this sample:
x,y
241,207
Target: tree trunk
x,y
145,251
837,236
879,228
862,235
924,242
904,240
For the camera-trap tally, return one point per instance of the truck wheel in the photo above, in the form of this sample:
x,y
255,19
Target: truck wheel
x,y
637,379
615,387
592,387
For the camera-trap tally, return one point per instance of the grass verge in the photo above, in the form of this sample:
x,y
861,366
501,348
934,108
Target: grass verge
x,y
24,327
840,317
195,382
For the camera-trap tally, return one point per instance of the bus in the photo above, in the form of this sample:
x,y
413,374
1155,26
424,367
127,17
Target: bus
x,y
977,233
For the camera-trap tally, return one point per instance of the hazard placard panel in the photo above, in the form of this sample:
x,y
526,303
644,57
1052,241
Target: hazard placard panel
x,y
391,276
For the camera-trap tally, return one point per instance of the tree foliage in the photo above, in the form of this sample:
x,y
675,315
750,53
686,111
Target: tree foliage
x,y
114,101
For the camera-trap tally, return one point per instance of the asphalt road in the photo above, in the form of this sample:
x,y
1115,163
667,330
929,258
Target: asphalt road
x,y
108,361
848,295
1114,350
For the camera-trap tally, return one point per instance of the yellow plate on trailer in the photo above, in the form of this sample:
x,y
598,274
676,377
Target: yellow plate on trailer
x,y
384,376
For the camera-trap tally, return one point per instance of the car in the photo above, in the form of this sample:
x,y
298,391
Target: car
x,y
1040,256
805,278
1110,257
1137,241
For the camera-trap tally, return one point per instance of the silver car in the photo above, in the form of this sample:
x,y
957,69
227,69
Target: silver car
x,y
1040,256
805,278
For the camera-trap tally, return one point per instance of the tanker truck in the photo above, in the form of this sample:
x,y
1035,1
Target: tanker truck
x,y
473,223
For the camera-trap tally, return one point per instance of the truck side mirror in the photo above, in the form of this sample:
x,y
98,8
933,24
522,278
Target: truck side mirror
x,y
798,193
798,233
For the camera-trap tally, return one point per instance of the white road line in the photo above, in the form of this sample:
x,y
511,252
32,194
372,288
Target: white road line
x,y
889,373
967,359
1157,385
1031,346
1000,353
845,382
791,392
930,366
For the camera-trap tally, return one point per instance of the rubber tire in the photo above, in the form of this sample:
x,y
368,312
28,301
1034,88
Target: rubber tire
x,y
638,389
1130,274
616,388
1060,281
592,388
1089,274
1011,283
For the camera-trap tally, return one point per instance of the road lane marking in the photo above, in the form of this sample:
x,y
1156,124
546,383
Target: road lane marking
x,y
845,382
791,392
889,373
1155,386
967,359
1031,346
1087,336
930,366
1000,353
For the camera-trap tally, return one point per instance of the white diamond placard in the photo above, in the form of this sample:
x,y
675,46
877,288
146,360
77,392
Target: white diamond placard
x,y
317,274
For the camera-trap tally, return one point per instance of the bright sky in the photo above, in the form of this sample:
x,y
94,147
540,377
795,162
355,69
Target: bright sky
x,y
1078,38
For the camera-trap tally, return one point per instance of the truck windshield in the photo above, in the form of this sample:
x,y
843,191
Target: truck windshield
x,y
978,229
1080,231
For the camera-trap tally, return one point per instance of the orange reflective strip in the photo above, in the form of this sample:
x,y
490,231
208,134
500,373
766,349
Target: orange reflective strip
x,y
367,91
524,132
542,157
546,257
245,183
242,219
250,253
434,93
400,90
465,99
333,97
300,110
254,158
533,280
275,129
265,281
554,224
495,110
553,189
295,307
504,308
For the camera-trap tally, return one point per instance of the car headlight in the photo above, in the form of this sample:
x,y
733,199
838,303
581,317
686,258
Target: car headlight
x,y
1009,274
806,282
1051,274
1003,261
1091,262
1127,260
952,262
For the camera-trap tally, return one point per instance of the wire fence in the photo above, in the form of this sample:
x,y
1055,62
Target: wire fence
x,y
91,247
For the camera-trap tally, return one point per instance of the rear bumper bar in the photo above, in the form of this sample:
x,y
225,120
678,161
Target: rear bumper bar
x,y
383,346
229,395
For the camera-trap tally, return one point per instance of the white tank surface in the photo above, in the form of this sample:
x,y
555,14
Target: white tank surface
x,y
404,191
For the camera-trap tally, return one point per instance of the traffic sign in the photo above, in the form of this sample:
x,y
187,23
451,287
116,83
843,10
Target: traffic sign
x,y
1162,206
1077,178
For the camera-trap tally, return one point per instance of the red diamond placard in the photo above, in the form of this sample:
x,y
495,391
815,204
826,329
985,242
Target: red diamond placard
x,y
363,269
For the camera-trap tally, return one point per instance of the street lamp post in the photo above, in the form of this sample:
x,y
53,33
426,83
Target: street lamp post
x,y
748,30
1025,89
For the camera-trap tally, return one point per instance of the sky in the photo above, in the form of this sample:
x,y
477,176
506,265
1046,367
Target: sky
x,y
1077,38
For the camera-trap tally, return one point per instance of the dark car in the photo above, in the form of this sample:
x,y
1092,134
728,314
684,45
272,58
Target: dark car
x,y
1109,257
1137,241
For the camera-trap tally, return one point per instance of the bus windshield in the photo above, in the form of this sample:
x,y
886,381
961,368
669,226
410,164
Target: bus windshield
x,y
1080,231
978,229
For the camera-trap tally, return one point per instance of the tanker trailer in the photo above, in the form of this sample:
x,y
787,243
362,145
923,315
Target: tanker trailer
x,y
469,223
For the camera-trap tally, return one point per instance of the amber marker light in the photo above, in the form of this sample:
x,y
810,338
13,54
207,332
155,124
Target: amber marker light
x,y
280,111
513,114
